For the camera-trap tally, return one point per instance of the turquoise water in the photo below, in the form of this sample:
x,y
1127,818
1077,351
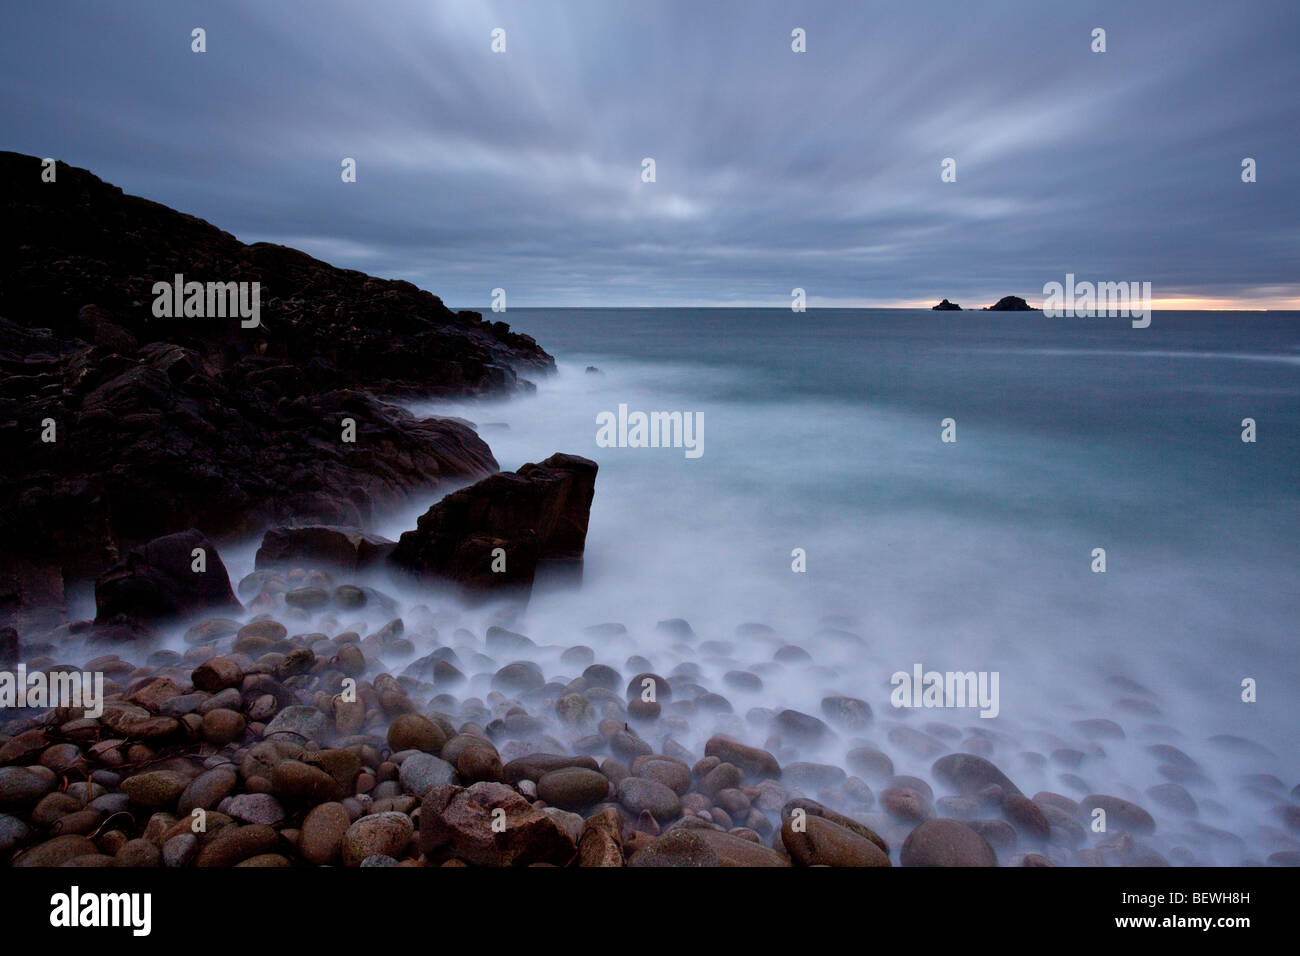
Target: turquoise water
x,y
822,432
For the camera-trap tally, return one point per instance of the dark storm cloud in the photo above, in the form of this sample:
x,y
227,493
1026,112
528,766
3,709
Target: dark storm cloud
x,y
774,169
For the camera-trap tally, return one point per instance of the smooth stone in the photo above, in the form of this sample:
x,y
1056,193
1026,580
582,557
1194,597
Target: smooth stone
x,y
672,773
57,851
156,790
753,761
320,841
1173,797
207,790
534,766
518,677
415,732
22,787
639,795
294,781
847,712
1000,834
303,722
216,674
236,844
816,841
870,763
1120,814
255,808
180,851
1026,816
646,681
422,771
814,776
704,848
802,726
968,774
811,808
309,598
222,726
946,843
573,788
13,831
388,834
743,680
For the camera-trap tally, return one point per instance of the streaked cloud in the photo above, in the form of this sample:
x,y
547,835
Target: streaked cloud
x,y
774,169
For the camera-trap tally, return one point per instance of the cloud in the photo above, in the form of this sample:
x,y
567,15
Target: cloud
x,y
774,169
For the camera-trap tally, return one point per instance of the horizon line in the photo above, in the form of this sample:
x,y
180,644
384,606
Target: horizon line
x,y
487,310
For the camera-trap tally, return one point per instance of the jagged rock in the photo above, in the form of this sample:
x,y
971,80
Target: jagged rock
x,y
460,822
159,581
536,515
946,306
168,423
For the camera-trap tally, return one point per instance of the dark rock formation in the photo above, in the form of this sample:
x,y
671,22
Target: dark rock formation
x,y
1011,303
946,306
536,515
348,548
117,427
160,581
31,593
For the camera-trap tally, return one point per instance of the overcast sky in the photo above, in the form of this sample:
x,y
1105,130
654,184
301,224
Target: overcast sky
x,y
774,169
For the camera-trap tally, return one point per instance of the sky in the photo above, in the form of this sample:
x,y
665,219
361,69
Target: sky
x,y
774,169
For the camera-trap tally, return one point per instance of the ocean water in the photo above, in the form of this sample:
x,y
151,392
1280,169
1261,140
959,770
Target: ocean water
x,y
822,432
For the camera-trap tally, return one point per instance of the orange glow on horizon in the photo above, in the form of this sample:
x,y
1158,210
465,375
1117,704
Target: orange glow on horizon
x,y
1158,303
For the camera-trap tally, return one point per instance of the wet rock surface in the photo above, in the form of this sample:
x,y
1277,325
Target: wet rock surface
x,y
165,424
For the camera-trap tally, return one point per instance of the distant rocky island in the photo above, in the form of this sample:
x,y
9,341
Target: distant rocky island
x,y
1008,303
1011,303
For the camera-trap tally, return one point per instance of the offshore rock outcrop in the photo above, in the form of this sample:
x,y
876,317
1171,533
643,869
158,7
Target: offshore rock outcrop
x,y
1011,303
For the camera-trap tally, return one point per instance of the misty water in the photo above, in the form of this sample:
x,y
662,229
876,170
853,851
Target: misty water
x,y
822,432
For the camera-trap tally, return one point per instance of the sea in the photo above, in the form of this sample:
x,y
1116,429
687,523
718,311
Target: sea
x,y
1095,529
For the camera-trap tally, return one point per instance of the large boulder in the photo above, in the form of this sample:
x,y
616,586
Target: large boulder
x,y
537,516
159,581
